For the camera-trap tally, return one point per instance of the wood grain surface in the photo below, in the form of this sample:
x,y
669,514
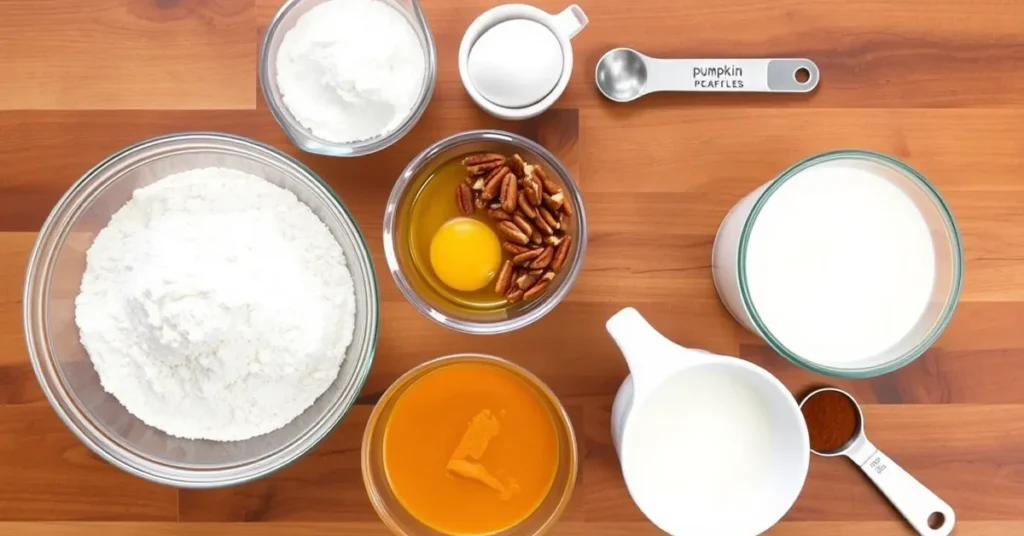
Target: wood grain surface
x,y
934,82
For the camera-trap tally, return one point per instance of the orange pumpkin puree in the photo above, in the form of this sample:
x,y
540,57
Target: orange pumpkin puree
x,y
470,449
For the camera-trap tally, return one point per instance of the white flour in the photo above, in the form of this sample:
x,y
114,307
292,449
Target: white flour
x,y
350,70
215,305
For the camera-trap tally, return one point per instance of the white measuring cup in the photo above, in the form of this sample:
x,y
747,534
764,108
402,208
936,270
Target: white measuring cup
x,y
674,477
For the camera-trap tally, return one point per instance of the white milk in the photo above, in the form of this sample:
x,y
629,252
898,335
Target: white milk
x,y
700,443
709,445
840,263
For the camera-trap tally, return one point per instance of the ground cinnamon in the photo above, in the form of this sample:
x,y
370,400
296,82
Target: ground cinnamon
x,y
832,420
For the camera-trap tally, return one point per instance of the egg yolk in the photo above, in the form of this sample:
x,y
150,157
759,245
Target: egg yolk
x,y
465,254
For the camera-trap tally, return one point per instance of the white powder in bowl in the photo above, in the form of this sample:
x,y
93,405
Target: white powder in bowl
x,y
215,305
350,70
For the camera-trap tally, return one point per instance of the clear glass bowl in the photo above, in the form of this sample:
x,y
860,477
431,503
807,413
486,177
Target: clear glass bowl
x,y
62,365
731,243
300,135
420,292
390,510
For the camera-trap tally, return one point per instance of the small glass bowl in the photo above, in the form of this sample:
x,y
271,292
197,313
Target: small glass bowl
x,y
65,371
284,21
420,292
400,521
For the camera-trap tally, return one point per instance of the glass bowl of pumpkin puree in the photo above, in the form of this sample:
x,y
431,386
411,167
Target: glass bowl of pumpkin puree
x,y
469,445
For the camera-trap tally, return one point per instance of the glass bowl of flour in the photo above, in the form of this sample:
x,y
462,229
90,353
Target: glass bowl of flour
x,y
348,77
201,310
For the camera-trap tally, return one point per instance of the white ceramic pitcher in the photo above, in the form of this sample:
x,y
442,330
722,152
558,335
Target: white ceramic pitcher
x,y
656,365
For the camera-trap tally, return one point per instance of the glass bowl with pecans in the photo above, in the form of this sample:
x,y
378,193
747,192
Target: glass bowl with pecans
x,y
485,232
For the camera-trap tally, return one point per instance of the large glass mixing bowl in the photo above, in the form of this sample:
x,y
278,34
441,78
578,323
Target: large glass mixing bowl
x,y
62,365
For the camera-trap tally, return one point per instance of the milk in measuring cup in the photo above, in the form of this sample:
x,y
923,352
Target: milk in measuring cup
x,y
702,438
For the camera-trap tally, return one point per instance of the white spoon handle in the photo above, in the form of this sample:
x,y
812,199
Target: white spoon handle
x,y
773,75
916,502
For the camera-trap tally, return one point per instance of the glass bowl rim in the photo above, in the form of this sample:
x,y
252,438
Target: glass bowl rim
x,y
301,137
956,243
411,375
53,234
548,301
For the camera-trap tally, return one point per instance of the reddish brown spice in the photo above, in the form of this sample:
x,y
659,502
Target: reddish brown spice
x,y
832,420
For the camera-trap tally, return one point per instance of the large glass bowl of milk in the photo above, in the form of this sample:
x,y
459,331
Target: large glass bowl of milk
x,y
848,264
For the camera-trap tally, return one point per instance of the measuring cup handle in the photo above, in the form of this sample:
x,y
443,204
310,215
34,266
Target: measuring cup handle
x,y
570,21
916,502
648,353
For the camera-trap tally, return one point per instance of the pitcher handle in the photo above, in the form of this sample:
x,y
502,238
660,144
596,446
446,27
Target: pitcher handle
x,y
570,21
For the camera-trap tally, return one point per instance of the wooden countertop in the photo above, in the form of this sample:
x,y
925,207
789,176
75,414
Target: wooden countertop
x,y
936,83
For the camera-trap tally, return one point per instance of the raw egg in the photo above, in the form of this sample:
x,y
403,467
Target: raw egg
x,y
465,254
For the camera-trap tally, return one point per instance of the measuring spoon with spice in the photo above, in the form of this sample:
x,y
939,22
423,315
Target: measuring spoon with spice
x,y
835,424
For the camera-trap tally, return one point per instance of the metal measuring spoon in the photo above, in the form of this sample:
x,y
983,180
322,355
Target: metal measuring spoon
x,y
926,512
624,74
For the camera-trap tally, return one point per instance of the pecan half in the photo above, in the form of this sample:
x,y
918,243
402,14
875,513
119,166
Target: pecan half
x,y
482,168
464,200
493,185
509,193
497,214
567,208
525,257
514,249
550,186
543,260
525,281
533,189
498,172
543,225
515,295
481,158
479,164
510,232
517,165
554,201
561,254
536,290
504,279
548,218
523,224
536,237
525,207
